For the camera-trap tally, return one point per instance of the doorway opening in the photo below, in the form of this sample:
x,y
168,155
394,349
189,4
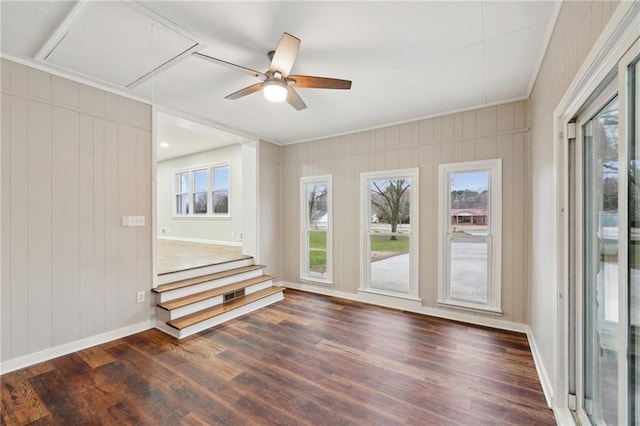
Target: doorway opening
x,y
205,195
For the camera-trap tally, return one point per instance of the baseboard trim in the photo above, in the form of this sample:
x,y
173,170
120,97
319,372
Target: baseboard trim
x,y
408,305
201,240
564,417
67,348
547,385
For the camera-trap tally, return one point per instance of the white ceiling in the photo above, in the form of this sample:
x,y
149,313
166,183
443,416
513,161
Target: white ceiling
x,y
407,60
178,137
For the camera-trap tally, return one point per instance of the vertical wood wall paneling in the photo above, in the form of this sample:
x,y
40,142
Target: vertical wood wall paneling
x,y
505,150
126,236
270,218
428,226
521,219
112,224
143,235
39,211
66,175
99,223
5,314
87,226
18,230
65,298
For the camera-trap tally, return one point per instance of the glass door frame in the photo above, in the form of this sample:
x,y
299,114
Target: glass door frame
x,y
618,87
595,105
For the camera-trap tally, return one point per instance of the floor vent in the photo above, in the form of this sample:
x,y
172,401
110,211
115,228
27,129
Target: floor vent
x,y
233,295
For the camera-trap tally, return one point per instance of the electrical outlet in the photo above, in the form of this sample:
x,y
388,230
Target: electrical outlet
x,y
140,296
239,236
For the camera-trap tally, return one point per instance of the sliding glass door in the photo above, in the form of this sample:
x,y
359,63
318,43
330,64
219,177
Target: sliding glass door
x,y
604,345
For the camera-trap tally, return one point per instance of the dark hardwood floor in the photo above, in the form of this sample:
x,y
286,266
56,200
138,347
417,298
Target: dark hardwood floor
x,y
309,359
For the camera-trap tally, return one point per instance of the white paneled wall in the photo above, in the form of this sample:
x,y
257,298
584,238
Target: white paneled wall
x,y
493,132
220,230
74,159
269,207
578,26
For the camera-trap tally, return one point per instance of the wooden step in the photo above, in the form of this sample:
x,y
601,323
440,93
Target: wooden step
x,y
195,318
219,291
204,278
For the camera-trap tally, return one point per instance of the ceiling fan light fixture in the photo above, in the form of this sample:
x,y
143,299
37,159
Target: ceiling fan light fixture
x,y
275,90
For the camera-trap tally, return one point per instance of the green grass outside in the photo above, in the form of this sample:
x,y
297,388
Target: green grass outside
x,y
385,243
318,261
318,240
610,254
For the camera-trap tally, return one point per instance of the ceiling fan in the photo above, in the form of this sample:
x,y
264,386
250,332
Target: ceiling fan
x,y
277,84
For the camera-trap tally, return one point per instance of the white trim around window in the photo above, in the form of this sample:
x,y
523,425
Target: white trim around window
x,y
465,280
316,223
403,282
206,187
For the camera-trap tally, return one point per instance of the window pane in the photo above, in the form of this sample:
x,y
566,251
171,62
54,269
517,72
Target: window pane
x,y
182,204
183,182
317,205
469,269
200,203
220,178
600,272
200,178
220,202
390,204
390,262
317,254
470,202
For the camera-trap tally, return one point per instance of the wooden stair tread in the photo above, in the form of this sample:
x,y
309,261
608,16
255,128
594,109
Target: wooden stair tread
x,y
207,294
205,314
190,268
204,278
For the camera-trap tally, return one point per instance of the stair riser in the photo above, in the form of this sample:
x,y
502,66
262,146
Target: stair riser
x,y
258,287
207,285
197,272
204,304
196,328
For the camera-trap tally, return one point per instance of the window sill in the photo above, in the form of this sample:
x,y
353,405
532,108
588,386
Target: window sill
x,y
389,293
203,216
316,281
471,307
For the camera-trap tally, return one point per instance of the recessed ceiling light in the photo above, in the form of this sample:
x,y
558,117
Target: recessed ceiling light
x,y
164,145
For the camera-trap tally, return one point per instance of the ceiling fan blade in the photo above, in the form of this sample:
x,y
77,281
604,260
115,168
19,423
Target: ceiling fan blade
x,y
244,92
245,70
285,54
312,82
294,99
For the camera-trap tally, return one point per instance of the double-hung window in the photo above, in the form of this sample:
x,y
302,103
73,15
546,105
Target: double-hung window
x,y
200,187
469,235
316,235
389,240
183,190
202,191
220,189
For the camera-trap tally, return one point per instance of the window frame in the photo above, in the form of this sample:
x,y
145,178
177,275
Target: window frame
x,y
304,230
212,188
493,238
193,192
414,234
209,168
177,191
